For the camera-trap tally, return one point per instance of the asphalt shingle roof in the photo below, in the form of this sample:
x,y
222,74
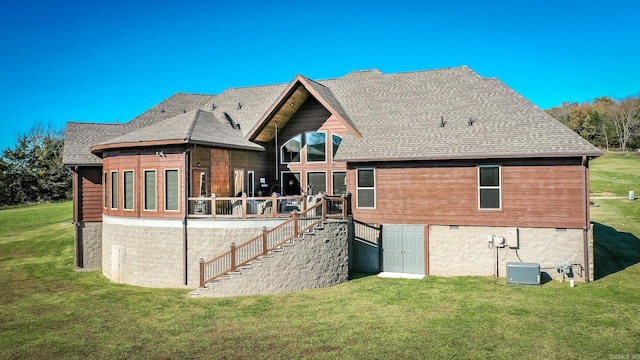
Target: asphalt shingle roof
x,y
398,116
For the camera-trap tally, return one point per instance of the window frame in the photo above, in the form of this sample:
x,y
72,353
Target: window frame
x,y
166,190
306,146
307,179
490,187
144,189
358,188
334,148
114,194
125,188
299,138
333,180
105,197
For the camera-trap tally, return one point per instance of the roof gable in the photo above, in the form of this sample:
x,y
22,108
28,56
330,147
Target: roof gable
x,y
289,102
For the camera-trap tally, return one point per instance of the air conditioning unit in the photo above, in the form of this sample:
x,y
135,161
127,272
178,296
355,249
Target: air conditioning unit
x,y
523,273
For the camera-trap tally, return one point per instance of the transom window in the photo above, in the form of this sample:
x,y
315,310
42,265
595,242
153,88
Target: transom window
x,y
489,189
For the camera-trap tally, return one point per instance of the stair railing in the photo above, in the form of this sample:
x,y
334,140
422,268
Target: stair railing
x,y
240,255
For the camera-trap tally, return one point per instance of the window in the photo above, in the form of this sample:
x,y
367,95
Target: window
x,y
171,190
238,182
127,196
290,151
149,191
316,146
114,189
251,180
105,199
335,141
365,188
489,187
339,182
290,183
316,182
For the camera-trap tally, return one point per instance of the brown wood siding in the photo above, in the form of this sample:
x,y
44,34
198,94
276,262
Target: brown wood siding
x,y
533,195
139,163
220,168
90,194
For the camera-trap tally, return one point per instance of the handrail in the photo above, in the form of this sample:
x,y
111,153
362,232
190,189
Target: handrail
x,y
260,245
245,207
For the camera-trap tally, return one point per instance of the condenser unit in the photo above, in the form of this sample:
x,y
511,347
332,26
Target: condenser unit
x,y
523,273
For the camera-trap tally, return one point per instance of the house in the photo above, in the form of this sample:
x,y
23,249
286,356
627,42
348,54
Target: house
x,y
461,173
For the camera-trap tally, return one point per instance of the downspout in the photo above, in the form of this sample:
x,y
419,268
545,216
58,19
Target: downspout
x,y
585,228
185,213
77,185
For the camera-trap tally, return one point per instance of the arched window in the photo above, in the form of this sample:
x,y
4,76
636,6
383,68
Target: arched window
x,y
290,151
335,141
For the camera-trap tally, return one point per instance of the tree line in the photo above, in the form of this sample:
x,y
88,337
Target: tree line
x,y
608,124
32,171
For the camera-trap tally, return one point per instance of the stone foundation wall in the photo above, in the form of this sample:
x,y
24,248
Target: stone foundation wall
x,y
151,252
314,261
89,244
464,250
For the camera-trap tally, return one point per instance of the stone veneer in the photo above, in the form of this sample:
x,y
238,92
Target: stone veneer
x,y
316,260
464,250
89,241
153,252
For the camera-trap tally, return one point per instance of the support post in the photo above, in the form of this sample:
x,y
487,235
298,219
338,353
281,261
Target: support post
x,y
274,205
233,257
265,232
244,205
201,273
213,206
295,223
324,207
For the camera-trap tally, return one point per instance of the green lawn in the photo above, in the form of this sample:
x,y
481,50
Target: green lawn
x,y
49,310
614,174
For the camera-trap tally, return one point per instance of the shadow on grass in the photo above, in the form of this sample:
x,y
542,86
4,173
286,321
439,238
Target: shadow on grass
x,y
353,275
613,250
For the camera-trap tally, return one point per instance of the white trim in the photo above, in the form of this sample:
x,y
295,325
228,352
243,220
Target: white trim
x,y
306,187
499,187
332,181
144,189
124,190
282,162
375,195
165,190
306,147
111,172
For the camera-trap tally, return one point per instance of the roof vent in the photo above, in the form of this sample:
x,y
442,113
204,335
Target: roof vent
x,y
162,110
213,106
184,111
239,106
442,122
470,122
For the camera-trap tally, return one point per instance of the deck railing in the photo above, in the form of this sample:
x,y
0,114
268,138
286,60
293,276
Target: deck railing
x,y
246,207
239,255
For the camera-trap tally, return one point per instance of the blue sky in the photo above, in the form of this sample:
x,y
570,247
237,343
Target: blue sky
x,y
107,61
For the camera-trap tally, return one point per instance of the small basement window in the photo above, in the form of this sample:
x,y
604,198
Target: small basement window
x,y
489,187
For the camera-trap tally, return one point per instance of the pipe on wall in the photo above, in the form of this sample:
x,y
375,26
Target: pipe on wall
x,y
585,228
185,212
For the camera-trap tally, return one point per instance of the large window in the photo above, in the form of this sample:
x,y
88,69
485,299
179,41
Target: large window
x,y
127,196
366,188
335,141
105,199
489,187
316,146
171,190
316,182
339,182
149,191
290,151
114,189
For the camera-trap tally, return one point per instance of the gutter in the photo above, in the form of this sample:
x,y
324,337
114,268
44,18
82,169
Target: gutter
x,y
585,230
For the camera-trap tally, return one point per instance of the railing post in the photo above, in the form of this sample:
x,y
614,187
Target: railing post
x,y
201,273
344,207
274,205
233,257
244,205
213,206
265,232
295,223
324,207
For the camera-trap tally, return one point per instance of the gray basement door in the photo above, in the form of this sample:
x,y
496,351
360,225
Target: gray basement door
x,y
403,248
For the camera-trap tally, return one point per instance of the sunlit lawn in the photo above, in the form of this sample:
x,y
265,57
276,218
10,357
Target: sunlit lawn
x,y
49,310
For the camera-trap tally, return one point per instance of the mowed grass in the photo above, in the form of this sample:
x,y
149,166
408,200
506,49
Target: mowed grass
x,y
49,310
614,174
